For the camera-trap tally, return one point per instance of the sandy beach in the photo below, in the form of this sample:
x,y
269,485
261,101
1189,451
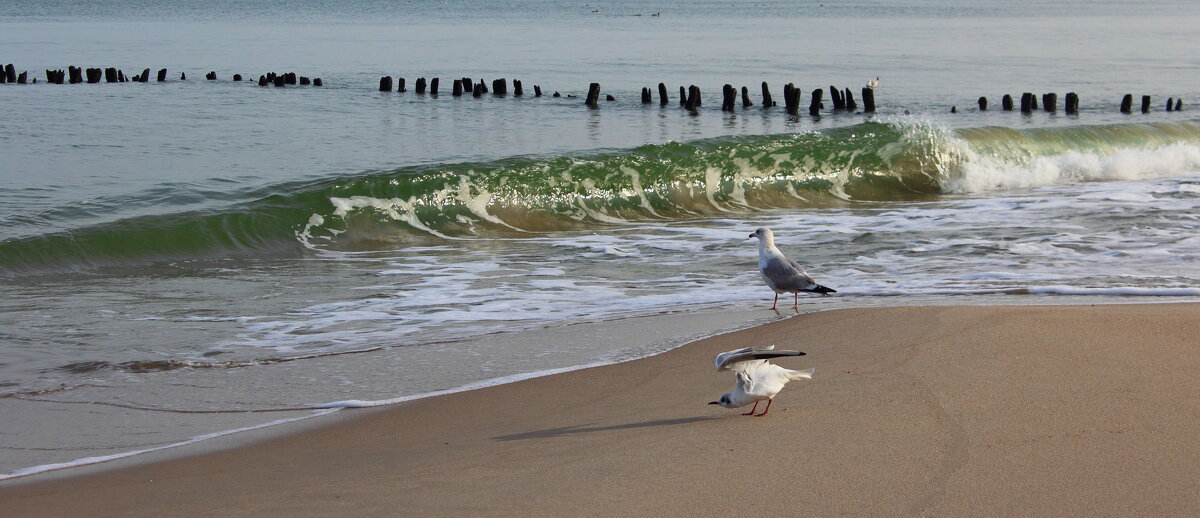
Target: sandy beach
x,y
944,411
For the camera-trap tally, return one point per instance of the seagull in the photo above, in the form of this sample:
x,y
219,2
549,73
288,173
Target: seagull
x,y
873,83
757,378
782,274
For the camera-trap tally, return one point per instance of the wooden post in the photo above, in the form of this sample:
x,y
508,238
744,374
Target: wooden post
x,y
500,86
211,76
304,80
162,75
1072,103
1170,104
593,94
482,86
280,81
727,97
236,77
110,75
693,98
1033,103
421,85
814,107
683,95
10,73
662,95
457,88
1026,102
468,86
262,81
518,91
609,97
433,86
766,96
954,109
836,95
477,91
983,104
1050,102
23,77
1145,104
1179,104
94,75
1006,103
868,95
850,104
537,90
385,84
317,82
790,98
1127,103
75,74
746,98
289,78
146,76
183,76
400,85
646,97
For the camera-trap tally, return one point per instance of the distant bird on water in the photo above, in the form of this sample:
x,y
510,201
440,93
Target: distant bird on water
x,y
781,274
873,83
757,378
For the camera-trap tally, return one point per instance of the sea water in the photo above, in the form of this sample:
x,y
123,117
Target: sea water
x,y
183,259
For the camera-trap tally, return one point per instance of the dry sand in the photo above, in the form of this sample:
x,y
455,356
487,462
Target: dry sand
x,y
945,411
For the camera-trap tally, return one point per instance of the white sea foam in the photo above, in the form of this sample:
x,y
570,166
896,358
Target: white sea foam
x,y
976,173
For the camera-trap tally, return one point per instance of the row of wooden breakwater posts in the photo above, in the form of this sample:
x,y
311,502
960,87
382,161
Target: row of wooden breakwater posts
x,y
688,97
1029,103
76,75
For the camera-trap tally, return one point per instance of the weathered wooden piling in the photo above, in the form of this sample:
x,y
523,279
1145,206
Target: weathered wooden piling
x,y
94,75
468,86
593,94
1145,104
477,90
1072,103
791,99
727,97
1026,102
400,85
110,75
280,81
457,88
317,82
537,90
183,76
849,97
683,95
1050,102
982,104
23,77
693,98
746,103
211,76
646,97
814,107
482,86
766,96
500,86
75,75
1179,105
1033,102
10,73
518,90
262,81
836,96
146,76
237,77
385,84
52,77
868,95
304,80
1170,104
289,78
1127,103
433,86
556,94
662,95
609,97
421,85
162,75
954,109
1006,103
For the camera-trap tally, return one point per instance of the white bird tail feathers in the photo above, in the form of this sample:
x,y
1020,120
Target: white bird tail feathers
x,y
805,374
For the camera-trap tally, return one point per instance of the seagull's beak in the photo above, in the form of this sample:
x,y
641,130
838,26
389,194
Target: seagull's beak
x,y
713,403
751,235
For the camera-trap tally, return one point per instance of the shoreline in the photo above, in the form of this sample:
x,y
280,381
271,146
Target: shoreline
x,y
898,419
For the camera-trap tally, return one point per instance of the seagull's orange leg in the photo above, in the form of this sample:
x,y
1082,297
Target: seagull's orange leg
x,y
769,400
796,304
751,412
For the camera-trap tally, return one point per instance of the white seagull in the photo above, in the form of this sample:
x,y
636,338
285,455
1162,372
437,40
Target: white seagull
x,y
873,83
782,274
757,378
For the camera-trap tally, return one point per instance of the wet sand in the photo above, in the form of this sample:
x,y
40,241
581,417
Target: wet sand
x,y
947,411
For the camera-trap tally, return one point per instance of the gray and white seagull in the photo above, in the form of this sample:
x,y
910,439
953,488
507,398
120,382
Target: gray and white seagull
x,y
782,274
757,378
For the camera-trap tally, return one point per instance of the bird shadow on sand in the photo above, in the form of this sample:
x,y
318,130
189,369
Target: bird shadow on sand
x,y
571,430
